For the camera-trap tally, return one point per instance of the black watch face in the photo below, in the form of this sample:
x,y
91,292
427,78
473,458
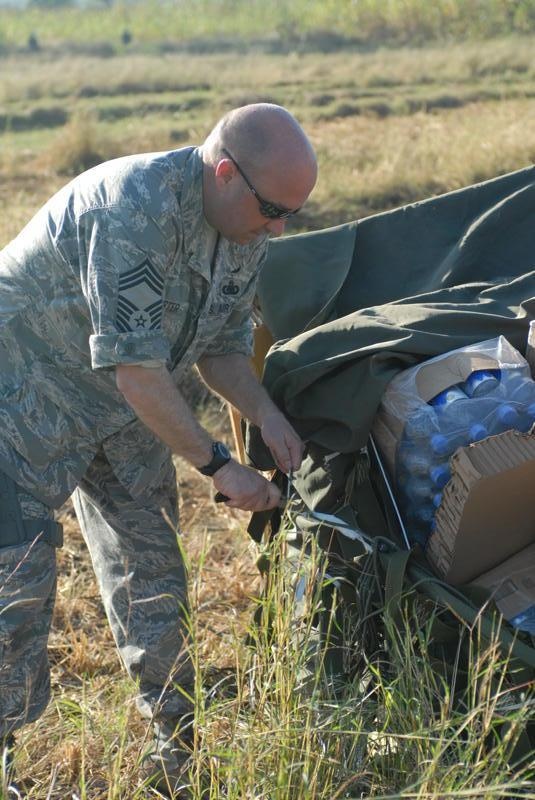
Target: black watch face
x,y
221,450
220,456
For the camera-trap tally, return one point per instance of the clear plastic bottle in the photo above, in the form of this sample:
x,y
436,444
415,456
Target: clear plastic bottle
x,y
444,445
421,519
418,489
420,522
412,460
451,410
468,420
516,385
505,418
440,475
527,418
477,432
425,514
421,424
481,382
448,397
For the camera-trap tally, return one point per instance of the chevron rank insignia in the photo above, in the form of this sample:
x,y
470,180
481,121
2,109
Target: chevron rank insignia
x,y
140,304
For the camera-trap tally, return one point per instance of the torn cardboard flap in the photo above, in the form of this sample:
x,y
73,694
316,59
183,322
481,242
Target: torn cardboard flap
x,y
487,513
436,376
512,584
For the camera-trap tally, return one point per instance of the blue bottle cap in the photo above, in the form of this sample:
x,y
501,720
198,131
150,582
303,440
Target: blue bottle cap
x,y
478,432
481,382
440,444
425,514
440,475
508,415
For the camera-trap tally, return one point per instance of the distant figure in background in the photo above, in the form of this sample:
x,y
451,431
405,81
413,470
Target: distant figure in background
x,y
33,43
133,272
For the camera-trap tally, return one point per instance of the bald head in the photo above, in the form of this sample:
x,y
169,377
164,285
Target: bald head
x,y
265,143
262,135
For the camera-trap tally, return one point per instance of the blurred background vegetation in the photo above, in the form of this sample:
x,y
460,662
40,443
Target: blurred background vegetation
x,y
402,98
278,24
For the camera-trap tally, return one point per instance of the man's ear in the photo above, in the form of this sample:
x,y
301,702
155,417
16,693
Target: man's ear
x,y
224,171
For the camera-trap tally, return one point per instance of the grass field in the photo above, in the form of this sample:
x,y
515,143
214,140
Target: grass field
x,y
391,124
279,25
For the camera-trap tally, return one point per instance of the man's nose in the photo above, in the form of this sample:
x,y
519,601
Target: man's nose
x,y
276,226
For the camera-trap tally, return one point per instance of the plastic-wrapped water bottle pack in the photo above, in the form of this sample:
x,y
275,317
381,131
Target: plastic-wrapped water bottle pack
x,y
488,402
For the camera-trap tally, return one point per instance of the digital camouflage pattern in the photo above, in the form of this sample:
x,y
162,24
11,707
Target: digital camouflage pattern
x,y
141,576
119,267
27,594
140,573
114,269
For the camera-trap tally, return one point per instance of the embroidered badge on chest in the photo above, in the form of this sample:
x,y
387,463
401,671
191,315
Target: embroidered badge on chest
x,y
139,305
230,288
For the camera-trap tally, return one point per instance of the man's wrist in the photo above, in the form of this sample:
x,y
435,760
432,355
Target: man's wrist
x,y
220,456
266,413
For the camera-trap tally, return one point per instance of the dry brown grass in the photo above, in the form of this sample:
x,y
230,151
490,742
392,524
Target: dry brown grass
x,y
390,126
371,165
92,715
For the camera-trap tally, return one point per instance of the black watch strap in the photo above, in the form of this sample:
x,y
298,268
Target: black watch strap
x,y
220,457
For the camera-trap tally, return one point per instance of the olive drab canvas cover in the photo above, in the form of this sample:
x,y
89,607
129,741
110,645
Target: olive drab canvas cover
x,y
351,306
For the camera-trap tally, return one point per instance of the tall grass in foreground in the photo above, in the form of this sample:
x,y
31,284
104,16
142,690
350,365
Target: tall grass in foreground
x,y
401,729
276,728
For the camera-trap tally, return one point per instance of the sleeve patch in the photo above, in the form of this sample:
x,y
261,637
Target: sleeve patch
x,y
140,301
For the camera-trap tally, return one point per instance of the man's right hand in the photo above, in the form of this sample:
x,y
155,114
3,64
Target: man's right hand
x,y
246,488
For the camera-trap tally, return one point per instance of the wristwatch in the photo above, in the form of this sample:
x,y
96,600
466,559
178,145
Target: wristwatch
x,y
220,457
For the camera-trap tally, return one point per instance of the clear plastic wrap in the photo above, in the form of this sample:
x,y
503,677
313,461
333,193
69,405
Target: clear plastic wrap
x,y
447,402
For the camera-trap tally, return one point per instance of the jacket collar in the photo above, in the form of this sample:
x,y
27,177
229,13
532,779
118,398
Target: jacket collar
x,y
196,233
195,229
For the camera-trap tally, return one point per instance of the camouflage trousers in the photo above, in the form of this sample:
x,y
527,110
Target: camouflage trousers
x,y
141,576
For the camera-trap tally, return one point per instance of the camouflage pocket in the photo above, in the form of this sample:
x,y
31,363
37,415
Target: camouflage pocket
x,y
23,518
27,593
11,523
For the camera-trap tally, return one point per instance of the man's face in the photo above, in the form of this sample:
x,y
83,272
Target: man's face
x,y
243,223
245,198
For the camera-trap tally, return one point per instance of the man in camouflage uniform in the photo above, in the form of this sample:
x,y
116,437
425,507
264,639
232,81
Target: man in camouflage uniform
x,y
129,275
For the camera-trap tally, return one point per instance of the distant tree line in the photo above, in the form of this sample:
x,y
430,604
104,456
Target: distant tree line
x,y
67,3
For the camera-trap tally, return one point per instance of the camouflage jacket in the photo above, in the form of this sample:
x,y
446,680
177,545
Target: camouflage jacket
x,y
117,268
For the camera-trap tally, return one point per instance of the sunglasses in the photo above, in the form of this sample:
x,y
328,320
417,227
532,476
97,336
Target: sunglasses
x,y
267,209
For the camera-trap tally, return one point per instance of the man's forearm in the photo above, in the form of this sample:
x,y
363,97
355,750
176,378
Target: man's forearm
x,y
233,378
158,403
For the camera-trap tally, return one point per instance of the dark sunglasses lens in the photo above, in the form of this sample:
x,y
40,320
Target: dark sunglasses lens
x,y
274,212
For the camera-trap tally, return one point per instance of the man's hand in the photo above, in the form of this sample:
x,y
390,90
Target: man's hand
x,y
233,378
246,488
285,445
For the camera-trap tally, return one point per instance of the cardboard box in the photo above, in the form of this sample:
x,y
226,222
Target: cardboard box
x,y
487,513
419,384
513,588
484,528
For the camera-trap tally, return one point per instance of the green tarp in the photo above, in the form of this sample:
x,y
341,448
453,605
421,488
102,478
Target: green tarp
x,y
353,305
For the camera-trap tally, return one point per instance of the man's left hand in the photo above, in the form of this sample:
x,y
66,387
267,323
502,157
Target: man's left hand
x,y
285,445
